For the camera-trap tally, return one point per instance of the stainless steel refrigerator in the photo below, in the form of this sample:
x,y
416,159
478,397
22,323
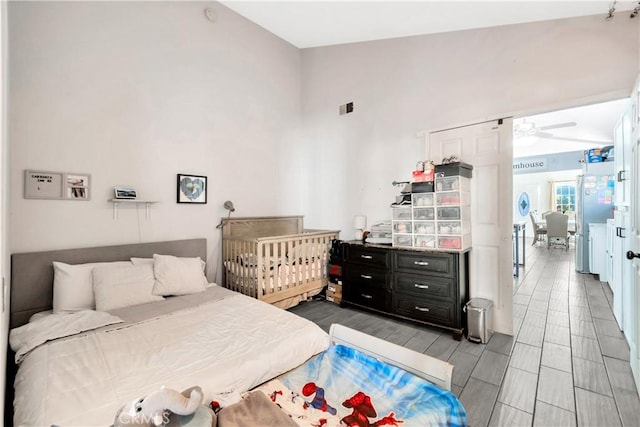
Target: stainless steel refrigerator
x,y
594,204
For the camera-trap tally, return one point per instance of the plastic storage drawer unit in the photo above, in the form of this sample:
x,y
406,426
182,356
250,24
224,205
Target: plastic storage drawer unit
x,y
479,320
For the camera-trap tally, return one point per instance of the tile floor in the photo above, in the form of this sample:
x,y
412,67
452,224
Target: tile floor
x,y
567,365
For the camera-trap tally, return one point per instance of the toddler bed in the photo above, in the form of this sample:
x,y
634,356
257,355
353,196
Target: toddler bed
x,y
274,259
358,381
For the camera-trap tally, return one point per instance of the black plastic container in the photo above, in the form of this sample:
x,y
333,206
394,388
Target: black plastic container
x,y
422,187
454,169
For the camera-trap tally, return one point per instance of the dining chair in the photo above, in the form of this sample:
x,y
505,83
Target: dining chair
x,y
539,232
557,230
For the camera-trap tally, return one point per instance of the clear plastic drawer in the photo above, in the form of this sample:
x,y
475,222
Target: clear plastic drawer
x,y
449,198
425,241
404,240
424,227
422,199
453,183
454,242
453,227
401,213
453,213
402,227
424,214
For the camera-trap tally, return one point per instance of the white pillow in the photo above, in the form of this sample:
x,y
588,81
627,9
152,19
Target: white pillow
x,y
40,315
73,286
138,261
178,276
123,286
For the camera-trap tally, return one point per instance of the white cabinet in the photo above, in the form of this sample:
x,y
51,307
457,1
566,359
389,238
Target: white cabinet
x,y
598,249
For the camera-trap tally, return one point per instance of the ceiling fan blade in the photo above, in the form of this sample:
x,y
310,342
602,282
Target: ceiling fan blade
x,y
544,134
585,141
558,126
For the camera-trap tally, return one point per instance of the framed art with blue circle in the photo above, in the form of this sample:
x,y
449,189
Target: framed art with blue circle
x,y
523,204
192,189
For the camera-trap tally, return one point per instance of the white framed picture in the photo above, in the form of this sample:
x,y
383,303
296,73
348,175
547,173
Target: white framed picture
x,y
77,186
125,193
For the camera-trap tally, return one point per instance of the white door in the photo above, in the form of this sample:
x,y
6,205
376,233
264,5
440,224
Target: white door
x,y
632,332
488,147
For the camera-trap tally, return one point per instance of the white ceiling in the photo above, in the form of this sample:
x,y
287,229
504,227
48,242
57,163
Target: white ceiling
x,y
321,23
307,24
593,123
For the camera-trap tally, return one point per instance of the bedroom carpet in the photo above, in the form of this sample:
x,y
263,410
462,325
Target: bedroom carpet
x,y
567,363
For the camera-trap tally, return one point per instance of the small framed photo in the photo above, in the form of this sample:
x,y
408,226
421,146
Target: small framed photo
x,y
77,186
192,189
125,193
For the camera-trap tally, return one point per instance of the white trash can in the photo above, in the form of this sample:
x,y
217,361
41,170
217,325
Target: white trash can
x,y
479,320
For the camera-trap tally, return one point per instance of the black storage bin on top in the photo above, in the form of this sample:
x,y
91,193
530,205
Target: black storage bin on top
x,y
422,187
454,169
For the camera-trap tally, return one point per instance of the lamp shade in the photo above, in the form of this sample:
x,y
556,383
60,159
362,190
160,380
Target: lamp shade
x,y
359,222
228,205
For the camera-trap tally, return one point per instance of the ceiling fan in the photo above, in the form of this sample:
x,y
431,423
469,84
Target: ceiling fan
x,y
529,129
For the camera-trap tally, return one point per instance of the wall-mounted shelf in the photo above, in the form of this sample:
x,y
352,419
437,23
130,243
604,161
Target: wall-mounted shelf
x,y
147,204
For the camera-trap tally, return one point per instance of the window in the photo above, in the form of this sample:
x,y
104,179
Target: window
x,y
565,196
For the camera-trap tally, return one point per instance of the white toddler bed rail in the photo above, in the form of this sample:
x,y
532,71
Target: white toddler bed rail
x,y
431,369
274,259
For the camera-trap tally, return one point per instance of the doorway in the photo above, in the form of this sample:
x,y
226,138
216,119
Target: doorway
x,y
549,153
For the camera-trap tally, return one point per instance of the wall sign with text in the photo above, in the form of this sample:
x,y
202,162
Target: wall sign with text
x,y
529,165
56,185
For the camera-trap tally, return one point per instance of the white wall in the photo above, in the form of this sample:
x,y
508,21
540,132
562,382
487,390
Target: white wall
x,y
433,82
134,93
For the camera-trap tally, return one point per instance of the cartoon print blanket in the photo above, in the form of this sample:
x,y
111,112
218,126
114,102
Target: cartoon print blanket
x,y
342,386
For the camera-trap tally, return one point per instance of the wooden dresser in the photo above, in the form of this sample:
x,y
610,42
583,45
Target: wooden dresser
x,y
429,287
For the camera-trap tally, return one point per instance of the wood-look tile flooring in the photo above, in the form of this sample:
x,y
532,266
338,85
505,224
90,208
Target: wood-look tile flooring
x,y
567,363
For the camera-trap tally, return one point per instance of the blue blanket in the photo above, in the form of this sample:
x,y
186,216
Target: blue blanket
x,y
342,386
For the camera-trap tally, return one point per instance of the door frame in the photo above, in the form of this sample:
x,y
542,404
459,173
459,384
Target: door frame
x,y
548,108
491,237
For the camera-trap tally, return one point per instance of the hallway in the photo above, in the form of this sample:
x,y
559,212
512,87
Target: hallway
x,y
567,365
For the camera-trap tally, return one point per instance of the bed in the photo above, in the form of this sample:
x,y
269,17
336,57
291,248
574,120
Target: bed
x,y
201,342
274,259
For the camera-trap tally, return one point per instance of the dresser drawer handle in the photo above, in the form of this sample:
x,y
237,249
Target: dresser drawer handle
x,y
366,276
422,308
367,296
420,262
417,285
366,256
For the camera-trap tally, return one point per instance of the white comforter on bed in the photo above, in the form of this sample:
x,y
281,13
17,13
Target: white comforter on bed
x,y
225,342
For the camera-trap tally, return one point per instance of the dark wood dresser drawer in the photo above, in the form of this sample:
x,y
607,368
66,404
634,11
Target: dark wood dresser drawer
x,y
375,298
424,286
412,284
364,275
366,255
442,264
438,312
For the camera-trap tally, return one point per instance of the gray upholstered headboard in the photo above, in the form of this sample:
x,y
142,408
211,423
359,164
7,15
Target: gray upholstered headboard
x,y
32,272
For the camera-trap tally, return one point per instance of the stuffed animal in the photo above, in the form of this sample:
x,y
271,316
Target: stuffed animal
x,y
154,410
